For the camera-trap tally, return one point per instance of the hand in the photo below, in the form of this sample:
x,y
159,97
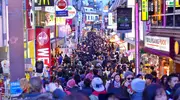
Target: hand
x,y
126,84
52,87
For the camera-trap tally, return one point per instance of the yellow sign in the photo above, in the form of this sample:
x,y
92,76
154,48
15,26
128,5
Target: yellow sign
x,y
176,48
44,2
144,8
159,9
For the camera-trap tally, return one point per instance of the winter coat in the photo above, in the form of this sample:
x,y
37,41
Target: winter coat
x,y
137,96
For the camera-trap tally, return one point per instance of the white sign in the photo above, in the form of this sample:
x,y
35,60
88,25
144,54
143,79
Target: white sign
x,y
49,9
158,43
71,12
110,20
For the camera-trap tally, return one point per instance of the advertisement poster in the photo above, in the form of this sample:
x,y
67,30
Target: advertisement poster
x,y
124,18
43,45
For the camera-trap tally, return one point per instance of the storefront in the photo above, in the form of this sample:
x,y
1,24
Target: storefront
x,y
163,47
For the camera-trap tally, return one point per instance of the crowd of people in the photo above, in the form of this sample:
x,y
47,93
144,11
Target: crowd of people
x,y
105,77
96,73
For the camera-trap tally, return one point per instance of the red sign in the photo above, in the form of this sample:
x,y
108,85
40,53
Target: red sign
x,y
62,4
31,34
43,45
68,21
28,8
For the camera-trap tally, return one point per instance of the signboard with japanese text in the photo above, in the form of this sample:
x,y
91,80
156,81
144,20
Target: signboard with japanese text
x,y
15,89
158,43
124,18
144,13
43,45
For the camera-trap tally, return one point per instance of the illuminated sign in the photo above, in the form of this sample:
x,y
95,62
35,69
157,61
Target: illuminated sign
x,y
170,3
159,9
44,2
158,43
144,13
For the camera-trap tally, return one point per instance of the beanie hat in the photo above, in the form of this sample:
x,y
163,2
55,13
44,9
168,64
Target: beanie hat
x,y
127,73
71,83
138,85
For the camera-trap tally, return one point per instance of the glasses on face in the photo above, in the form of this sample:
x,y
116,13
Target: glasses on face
x,y
130,78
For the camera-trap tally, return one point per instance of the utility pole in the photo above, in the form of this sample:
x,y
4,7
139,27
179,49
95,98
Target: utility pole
x,y
137,58
16,39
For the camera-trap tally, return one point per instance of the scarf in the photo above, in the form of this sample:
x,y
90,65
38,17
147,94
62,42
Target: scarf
x,y
96,93
116,84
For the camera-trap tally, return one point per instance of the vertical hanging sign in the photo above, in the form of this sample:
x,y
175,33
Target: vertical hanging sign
x,y
159,9
144,13
43,45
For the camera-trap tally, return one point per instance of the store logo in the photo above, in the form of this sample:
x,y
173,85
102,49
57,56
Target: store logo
x,y
42,38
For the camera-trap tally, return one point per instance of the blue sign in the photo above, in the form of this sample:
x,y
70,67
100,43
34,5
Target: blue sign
x,y
15,89
62,13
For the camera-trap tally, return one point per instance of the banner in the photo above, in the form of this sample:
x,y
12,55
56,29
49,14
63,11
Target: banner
x,y
158,43
43,45
144,13
28,19
124,18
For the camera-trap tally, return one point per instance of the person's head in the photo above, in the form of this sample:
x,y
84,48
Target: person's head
x,y
71,83
76,96
117,78
172,80
35,84
24,84
139,76
175,88
177,95
154,74
164,80
129,76
154,92
112,97
77,78
97,84
87,82
148,78
138,85
95,72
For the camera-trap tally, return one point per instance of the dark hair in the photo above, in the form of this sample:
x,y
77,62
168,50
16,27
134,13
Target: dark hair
x,y
87,82
175,88
162,80
95,72
171,76
35,84
138,76
150,91
177,94
77,78
45,96
76,96
154,74
149,76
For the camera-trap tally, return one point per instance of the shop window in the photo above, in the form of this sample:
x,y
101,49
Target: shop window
x,y
177,20
169,20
